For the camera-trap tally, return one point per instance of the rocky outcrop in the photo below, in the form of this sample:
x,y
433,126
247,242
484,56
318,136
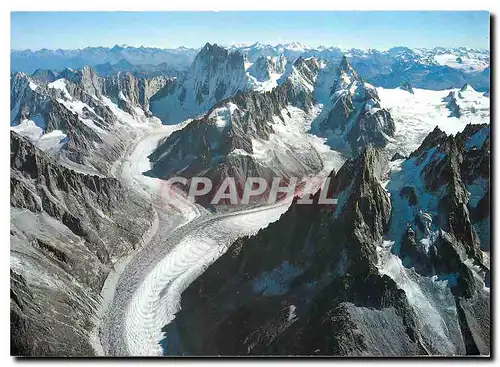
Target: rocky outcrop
x,y
215,74
264,67
452,104
67,230
406,85
353,113
306,285
222,143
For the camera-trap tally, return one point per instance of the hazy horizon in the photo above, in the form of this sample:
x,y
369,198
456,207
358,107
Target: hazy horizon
x,y
379,30
242,45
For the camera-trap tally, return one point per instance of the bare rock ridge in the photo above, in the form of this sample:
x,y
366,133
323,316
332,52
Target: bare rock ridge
x,y
67,229
220,143
354,114
322,286
303,287
215,74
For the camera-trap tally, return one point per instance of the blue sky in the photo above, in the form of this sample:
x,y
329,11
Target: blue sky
x,y
69,30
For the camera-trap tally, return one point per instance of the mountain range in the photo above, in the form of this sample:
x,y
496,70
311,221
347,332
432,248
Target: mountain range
x,y
107,259
437,68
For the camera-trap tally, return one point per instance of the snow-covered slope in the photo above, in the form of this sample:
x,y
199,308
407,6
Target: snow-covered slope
x,y
82,119
415,115
352,116
250,135
214,75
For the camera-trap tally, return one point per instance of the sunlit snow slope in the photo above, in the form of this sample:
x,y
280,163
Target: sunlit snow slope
x,y
417,114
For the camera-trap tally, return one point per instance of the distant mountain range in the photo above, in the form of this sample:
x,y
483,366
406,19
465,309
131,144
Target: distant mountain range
x,y
28,61
437,68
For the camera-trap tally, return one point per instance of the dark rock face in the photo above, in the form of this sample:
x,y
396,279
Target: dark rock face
x,y
215,74
455,172
406,85
321,279
219,144
306,285
95,138
452,104
355,114
67,229
397,156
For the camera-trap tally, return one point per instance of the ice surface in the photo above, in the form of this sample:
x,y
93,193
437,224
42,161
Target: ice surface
x,y
433,303
416,115
53,140
466,63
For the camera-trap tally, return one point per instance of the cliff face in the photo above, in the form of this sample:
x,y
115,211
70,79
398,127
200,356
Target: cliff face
x,y
307,284
353,116
238,138
67,230
84,119
214,75
380,273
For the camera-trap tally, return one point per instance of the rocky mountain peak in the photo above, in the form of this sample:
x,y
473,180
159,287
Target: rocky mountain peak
x,y
354,117
88,80
211,51
434,138
465,87
44,76
265,66
406,85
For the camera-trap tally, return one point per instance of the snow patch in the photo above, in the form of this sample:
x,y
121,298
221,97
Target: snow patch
x,y
416,115
29,129
222,115
60,84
